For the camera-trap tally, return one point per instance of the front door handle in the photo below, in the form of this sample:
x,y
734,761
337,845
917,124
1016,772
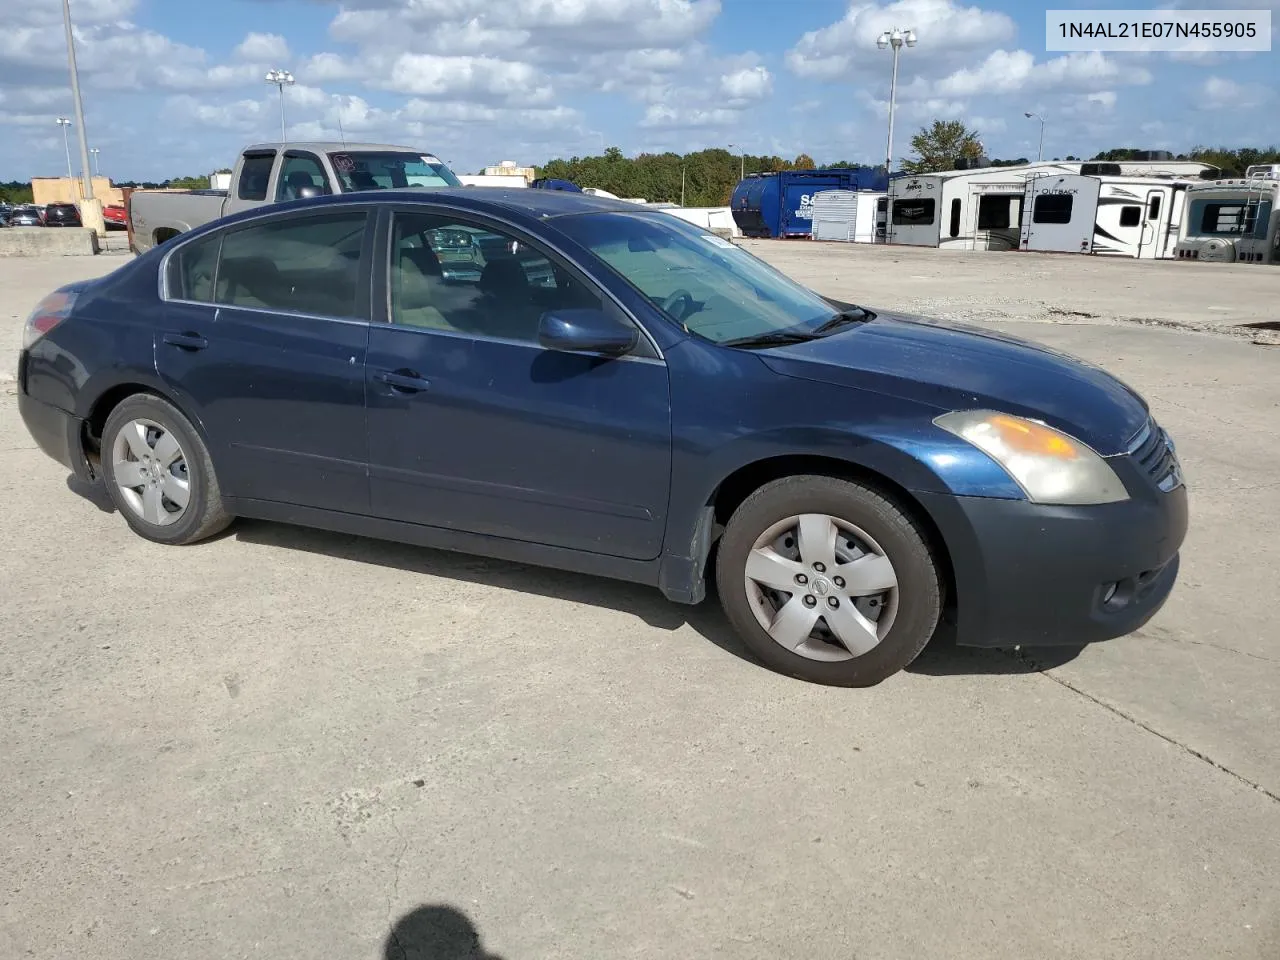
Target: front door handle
x,y
186,341
406,380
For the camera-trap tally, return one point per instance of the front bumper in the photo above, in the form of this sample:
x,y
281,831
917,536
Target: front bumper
x,y
1027,574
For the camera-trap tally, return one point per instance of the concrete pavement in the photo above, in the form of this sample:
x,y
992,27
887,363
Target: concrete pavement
x,y
283,742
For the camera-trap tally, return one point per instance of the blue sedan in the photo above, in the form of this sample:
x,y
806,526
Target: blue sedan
x,y
580,383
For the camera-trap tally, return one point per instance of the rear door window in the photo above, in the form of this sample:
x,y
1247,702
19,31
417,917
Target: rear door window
x,y
298,264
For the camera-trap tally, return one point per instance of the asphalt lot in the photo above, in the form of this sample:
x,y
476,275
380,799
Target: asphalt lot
x,y
282,742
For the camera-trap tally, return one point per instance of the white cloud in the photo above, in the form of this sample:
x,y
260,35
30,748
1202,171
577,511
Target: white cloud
x,y
269,48
1005,71
482,78
1104,99
943,27
661,116
1219,93
747,84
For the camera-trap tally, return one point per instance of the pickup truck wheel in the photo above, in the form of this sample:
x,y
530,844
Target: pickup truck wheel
x,y
828,581
158,472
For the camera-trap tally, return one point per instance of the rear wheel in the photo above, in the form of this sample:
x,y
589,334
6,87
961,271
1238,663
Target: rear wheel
x,y
828,581
158,472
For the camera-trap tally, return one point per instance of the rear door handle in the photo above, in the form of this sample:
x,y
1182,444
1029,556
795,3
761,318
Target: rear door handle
x,y
406,380
186,341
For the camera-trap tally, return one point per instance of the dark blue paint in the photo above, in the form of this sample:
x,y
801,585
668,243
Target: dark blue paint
x,y
779,204
609,466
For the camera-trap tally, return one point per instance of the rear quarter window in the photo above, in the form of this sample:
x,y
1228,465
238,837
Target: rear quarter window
x,y
255,176
191,270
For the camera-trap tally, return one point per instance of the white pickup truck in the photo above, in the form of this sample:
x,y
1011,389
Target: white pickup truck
x,y
275,172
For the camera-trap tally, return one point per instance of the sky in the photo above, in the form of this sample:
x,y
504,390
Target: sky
x,y
175,87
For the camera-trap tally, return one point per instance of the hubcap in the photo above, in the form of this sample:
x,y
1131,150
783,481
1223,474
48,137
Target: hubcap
x,y
150,472
821,587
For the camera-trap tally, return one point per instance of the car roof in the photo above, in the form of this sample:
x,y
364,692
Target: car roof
x,y
333,146
529,202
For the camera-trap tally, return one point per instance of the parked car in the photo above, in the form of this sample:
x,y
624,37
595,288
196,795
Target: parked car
x,y
62,215
269,173
115,217
26,216
617,392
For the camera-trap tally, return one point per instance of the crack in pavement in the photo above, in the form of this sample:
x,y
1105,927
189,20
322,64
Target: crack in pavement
x,y
395,889
1112,708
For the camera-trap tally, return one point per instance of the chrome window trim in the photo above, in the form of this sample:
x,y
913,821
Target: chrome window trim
x,y
285,313
508,341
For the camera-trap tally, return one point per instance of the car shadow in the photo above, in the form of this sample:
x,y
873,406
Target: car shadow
x,y
941,658
95,493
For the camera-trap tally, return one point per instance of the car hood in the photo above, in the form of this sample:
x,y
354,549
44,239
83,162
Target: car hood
x,y
956,367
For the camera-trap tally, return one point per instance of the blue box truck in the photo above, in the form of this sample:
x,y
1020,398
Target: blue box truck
x,y
780,204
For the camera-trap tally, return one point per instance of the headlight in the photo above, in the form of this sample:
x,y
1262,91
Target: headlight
x,y
1048,465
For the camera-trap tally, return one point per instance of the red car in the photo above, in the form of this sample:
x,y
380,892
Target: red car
x,y
116,217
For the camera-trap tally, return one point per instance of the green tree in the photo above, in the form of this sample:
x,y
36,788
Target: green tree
x,y
804,162
15,192
940,146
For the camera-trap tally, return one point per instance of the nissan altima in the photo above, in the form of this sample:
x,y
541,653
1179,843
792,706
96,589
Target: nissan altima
x,y
581,383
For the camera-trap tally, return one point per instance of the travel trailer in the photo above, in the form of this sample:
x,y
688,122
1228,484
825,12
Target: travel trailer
x,y
1135,217
1233,220
959,209
855,216
981,209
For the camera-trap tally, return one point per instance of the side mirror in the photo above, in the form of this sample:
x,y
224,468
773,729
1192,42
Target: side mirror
x,y
586,331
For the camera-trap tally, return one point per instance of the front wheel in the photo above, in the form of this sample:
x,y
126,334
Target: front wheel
x,y
828,581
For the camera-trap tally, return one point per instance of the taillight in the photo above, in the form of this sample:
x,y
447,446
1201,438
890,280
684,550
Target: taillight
x,y
49,312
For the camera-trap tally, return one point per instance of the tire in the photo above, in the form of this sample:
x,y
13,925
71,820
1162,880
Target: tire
x,y
141,423
883,542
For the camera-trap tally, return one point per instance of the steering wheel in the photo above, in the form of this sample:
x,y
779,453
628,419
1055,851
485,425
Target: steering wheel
x,y
681,298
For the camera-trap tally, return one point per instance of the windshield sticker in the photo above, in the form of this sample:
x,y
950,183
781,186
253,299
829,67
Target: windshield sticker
x,y
715,241
428,158
343,163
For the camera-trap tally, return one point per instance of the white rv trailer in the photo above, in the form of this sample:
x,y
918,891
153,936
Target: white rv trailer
x,y
1134,217
982,209
959,209
1233,220
848,215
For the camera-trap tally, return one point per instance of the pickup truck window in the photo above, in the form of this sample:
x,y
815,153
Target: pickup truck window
x,y
296,264
255,175
298,172
366,170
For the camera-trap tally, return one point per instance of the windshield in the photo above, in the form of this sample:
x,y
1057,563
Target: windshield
x,y
365,170
702,281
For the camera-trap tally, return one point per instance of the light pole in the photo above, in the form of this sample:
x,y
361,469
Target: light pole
x,y
682,169
75,96
97,170
282,79
894,38
742,162
65,124
1036,116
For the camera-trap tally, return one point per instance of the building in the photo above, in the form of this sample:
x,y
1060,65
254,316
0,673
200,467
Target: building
x,y
508,168
46,190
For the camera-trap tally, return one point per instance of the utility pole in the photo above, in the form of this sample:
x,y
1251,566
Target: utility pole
x,y
282,79
90,208
65,124
894,38
1036,116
